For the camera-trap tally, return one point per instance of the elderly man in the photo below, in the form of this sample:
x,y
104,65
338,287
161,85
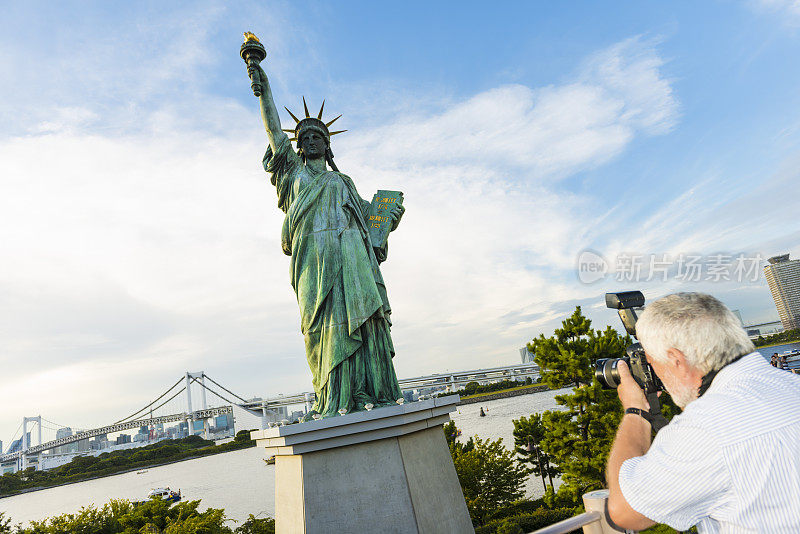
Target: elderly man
x,y
730,462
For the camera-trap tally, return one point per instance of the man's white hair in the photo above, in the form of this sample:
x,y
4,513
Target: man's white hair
x,y
698,325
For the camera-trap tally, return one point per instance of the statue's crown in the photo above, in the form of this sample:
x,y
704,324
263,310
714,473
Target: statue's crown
x,y
311,123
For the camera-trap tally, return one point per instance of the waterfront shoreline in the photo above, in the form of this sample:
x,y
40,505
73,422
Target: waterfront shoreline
x,y
503,394
139,468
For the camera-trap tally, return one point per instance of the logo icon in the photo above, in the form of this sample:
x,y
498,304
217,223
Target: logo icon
x,y
591,267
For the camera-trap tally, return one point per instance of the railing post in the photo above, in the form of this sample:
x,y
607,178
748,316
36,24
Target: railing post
x,y
595,501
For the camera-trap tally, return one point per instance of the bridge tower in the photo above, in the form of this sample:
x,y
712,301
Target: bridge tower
x,y
25,442
201,377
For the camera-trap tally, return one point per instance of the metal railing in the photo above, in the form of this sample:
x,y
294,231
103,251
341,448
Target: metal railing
x,y
593,520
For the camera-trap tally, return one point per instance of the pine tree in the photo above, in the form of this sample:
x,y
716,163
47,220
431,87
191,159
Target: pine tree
x,y
528,435
578,439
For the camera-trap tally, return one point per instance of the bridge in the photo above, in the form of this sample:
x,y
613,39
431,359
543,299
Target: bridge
x,y
23,453
444,381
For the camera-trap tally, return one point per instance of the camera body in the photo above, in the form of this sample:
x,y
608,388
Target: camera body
x,y
627,303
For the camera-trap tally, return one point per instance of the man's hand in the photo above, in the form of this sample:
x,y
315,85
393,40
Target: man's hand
x,y
633,439
630,394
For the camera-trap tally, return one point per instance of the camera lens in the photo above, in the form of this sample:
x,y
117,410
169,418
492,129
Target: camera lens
x,y
606,372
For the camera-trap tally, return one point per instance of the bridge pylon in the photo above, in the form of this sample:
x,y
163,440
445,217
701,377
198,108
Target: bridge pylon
x,y
37,420
199,376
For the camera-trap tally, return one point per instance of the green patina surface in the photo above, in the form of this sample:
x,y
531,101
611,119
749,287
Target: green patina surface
x,y
334,267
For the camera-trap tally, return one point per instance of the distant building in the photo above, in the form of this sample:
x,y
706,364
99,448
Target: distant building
x,y
64,432
16,445
783,277
526,355
223,422
764,329
197,426
123,438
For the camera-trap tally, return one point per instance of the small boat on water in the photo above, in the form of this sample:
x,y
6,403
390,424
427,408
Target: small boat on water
x,y
270,460
165,494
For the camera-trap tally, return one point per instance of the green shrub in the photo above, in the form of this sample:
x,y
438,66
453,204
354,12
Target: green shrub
x,y
529,522
523,506
509,526
242,436
257,526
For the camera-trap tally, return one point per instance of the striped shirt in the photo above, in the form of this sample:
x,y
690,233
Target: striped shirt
x,y
730,462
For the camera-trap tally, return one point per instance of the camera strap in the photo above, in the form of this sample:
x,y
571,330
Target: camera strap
x,y
705,383
659,421
641,413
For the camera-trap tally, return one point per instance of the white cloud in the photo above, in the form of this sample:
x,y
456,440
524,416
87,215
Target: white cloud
x,y
539,133
788,10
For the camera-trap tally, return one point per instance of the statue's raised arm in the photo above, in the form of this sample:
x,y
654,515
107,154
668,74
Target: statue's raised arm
x,y
253,53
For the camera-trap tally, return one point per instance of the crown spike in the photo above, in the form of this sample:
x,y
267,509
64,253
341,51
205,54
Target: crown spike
x,y
293,139
337,132
327,125
296,120
288,130
305,107
319,116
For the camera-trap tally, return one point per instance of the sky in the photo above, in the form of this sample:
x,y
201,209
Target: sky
x,y
548,152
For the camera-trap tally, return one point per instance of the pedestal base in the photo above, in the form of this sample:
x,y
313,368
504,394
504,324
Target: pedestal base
x,y
388,470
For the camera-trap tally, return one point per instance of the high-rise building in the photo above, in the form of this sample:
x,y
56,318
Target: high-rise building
x,y
783,277
526,355
64,432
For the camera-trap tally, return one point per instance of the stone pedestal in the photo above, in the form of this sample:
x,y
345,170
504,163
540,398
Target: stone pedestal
x,y
386,470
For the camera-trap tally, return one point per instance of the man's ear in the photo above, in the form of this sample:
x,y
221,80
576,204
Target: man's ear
x,y
676,357
677,360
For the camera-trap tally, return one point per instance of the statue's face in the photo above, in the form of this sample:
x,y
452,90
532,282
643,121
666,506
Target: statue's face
x,y
313,145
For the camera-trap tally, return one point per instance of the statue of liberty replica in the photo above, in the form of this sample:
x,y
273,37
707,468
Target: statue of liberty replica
x,y
334,239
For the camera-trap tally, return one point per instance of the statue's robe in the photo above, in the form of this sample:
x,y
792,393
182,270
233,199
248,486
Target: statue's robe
x,y
345,315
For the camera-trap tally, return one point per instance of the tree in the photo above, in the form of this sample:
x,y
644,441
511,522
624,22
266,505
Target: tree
x,y
471,388
489,477
578,438
5,524
451,434
254,525
528,435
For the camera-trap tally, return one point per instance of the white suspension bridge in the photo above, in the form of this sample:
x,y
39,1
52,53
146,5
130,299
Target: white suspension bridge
x,y
23,453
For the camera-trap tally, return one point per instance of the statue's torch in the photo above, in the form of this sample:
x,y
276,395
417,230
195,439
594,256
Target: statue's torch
x,y
253,53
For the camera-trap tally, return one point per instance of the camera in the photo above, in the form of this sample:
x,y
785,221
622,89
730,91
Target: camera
x,y
627,303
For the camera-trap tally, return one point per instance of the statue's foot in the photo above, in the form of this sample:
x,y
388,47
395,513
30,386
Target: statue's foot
x,y
309,416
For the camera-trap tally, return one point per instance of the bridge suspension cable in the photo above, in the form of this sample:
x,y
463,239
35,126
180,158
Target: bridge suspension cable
x,y
166,401
56,424
215,393
223,387
137,412
15,433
